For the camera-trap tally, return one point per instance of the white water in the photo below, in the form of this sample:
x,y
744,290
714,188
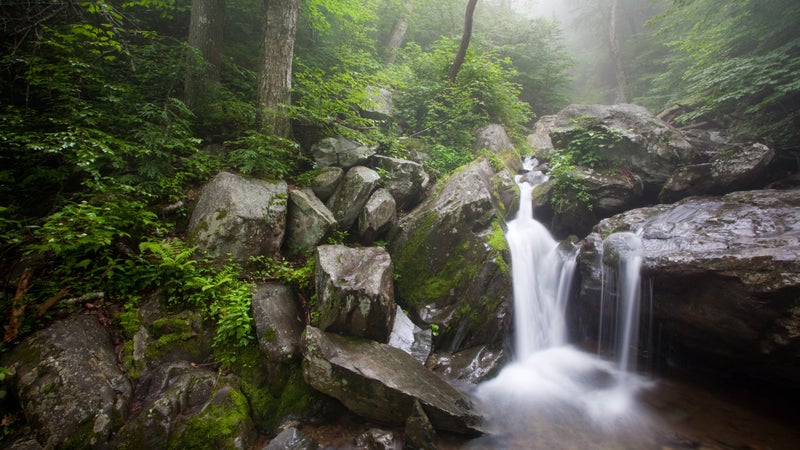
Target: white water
x,y
551,386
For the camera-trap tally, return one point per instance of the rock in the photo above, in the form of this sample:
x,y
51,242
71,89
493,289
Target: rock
x,y
69,384
326,182
725,280
352,194
355,291
420,434
494,139
381,383
410,338
277,321
539,139
239,217
377,217
450,256
380,102
376,439
188,407
340,152
309,222
733,167
472,365
25,443
405,180
292,439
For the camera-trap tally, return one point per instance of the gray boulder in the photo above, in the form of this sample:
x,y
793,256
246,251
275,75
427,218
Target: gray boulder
x,y
292,439
352,194
326,181
450,256
419,432
381,383
410,338
69,384
340,152
472,365
277,321
724,277
377,216
379,103
241,217
309,221
405,180
494,139
355,291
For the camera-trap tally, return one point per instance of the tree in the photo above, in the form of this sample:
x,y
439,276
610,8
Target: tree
x,y
206,27
616,57
465,38
398,33
275,75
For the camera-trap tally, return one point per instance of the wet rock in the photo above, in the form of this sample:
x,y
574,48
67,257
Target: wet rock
x,y
340,152
376,439
326,182
292,439
381,383
69,384
472,365
410,338
450,255
355,290
352,194
377,217
494,139
277,321
419,432
309,222
26,443
725,277
239,217
405,180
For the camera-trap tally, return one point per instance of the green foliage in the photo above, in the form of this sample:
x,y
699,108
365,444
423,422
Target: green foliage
x,y
265,268
567,184
265,156
588,143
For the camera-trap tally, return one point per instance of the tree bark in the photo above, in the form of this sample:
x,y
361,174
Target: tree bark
x,y
398,33
465,38
275,76
206,26
613,46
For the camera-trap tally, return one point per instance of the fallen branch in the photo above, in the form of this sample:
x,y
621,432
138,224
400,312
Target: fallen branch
x,y
50,302
17,308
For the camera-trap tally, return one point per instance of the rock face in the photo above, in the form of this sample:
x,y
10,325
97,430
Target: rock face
x,y
340,152
326,181
495,139
410,338
69,384
352,194
355,291
309,222
381,383
405,180
239,217
450,256
377,217
277,321
726,279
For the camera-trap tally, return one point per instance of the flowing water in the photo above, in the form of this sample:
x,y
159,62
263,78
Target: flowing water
x,y
553,395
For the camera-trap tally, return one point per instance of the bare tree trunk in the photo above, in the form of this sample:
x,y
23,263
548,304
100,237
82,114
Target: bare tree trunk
x,y
275,77
616,57
206,26
399,30
465,38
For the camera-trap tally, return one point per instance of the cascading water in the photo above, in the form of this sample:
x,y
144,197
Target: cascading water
x,y
550,385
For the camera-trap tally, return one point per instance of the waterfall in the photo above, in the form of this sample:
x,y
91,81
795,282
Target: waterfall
x,y
550,384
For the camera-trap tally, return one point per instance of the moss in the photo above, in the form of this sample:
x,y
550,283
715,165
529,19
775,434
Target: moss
x,y
217,426
497,238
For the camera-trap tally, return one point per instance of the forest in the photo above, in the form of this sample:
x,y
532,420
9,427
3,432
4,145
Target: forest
x,y
114,114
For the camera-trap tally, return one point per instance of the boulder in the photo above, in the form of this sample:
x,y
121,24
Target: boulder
x,y
377,217
410,338
451,259
181,406
355,291
352,194
381,383
309,221
419,432
324,184
340,152
495,139
277,321
376,439
473,365
405,180
292,439
239,217
725,277
380,101
730,168
69,384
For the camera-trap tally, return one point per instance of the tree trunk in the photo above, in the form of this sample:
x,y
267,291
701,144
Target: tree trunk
x,y
398,34
465,37
275,77
205,34
616,57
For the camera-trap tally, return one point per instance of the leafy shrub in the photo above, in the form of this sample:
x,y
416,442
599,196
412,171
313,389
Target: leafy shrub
x,y
266,156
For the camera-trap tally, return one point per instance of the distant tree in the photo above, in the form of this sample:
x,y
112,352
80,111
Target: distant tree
x,y
398,33
275,75
614,49
465,38
206,25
